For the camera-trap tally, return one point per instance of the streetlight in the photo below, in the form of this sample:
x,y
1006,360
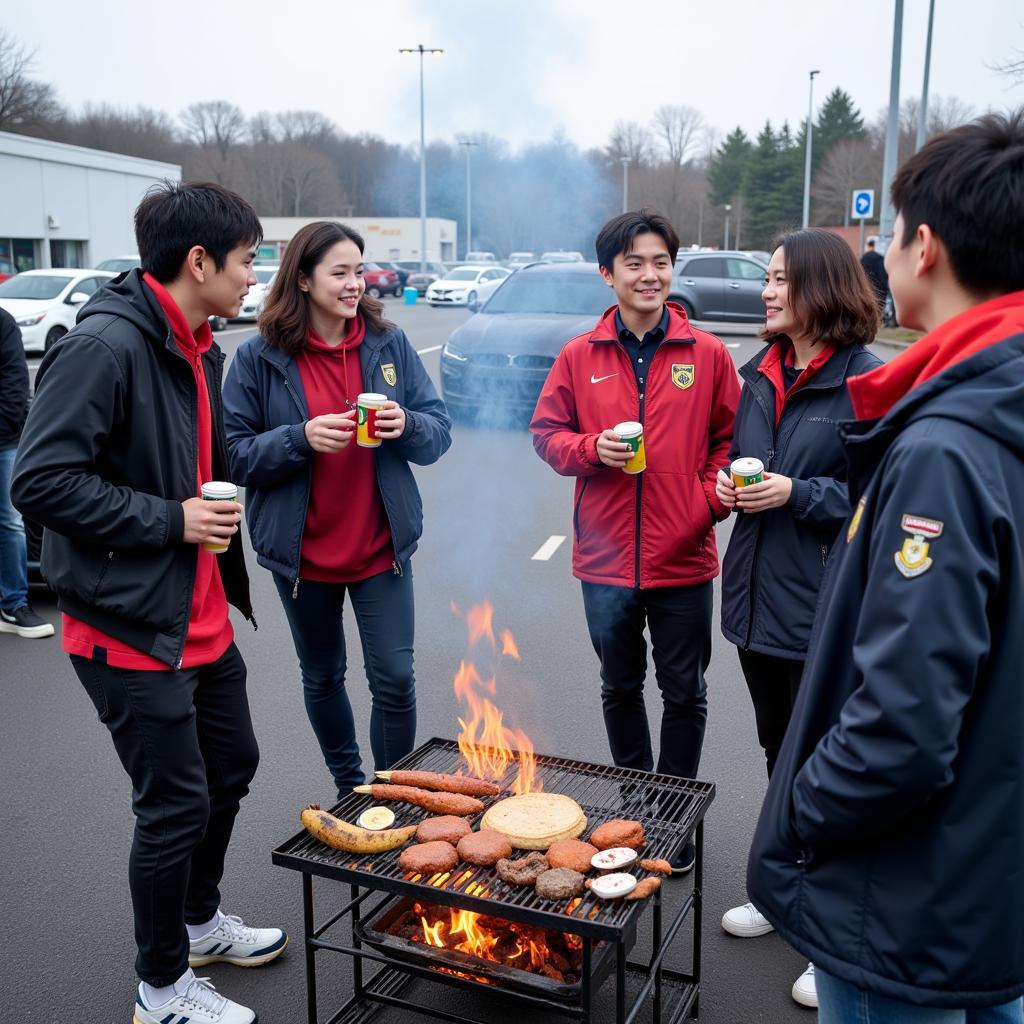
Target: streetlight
x,y
728,209
807,157
922,120
421,50
468,143
624,160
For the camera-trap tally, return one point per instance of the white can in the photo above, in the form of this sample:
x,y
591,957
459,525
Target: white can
x,y
218,490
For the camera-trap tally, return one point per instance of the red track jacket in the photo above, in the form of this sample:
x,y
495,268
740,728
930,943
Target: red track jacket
x,y
654,529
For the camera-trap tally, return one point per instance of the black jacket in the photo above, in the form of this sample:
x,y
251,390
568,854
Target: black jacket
x,y
890,848
13,382
108,455
874,266
772,569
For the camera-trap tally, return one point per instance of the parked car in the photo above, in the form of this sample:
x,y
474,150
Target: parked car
x,y
495,364
45,302
403,274
480,256
520,259
723,286
466,285
421,280
119,264
380,281
562,256
257,294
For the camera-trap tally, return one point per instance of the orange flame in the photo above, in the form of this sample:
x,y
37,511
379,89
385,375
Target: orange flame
x,y
508,646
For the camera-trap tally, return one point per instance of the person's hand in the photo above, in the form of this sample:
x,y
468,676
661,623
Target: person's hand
x,y
725,489
772,492
331,432
210,522
611,451
390,421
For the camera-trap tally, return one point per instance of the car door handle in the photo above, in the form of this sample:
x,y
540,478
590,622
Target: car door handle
x,y
733,284
690,282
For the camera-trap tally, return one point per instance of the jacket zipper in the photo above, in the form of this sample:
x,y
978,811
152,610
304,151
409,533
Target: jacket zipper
x,y
641,408
757,541
194,395
309,481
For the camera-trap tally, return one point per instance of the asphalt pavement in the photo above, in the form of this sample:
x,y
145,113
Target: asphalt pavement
x,y
490,506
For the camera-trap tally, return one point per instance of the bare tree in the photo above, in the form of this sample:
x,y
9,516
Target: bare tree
x,y
262,128
140,131
215,123
850,164
632,140
309,127
25,103
288,179
680,130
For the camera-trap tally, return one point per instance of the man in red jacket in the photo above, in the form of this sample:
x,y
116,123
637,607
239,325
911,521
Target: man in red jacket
x,y
643,543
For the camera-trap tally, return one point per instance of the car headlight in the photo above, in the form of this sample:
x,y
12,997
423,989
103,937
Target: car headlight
x,y
30,321
451,352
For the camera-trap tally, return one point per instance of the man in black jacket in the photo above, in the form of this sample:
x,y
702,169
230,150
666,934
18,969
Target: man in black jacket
x,y
125,429
874,268
16,614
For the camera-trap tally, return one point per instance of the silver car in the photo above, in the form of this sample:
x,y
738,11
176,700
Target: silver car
x,y
720,286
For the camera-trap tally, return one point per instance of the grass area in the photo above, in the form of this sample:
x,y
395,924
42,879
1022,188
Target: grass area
x,y
899,334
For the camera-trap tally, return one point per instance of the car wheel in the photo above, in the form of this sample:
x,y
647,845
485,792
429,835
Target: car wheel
x,y
397,292
218,323
373,292
53,336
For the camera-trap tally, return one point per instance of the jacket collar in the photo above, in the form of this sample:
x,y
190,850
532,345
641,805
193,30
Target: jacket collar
x,y
830,376
372,342
678,326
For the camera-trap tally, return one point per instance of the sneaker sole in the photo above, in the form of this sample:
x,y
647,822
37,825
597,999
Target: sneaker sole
x,y
202,961
805,999
750,931
27,632
136,1019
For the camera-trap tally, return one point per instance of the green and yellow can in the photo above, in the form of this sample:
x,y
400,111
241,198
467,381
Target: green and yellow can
x,y
632,433
747,471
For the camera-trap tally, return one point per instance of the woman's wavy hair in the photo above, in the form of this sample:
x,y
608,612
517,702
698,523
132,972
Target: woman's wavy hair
x,y
284,321
828,290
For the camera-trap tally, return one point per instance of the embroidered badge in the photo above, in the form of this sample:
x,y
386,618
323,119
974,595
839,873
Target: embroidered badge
x,y
858,512
388,369
682,375
912,559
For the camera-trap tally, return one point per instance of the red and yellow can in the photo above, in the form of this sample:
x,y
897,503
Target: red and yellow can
x,y
747,471
367,405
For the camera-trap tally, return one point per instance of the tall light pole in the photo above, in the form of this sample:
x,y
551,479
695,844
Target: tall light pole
x,y
892,131
728,209
922,120
421,50
807,156
624,160
469,144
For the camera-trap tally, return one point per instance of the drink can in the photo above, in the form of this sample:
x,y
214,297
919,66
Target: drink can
x,y
747,471
218,490
367,405
633,434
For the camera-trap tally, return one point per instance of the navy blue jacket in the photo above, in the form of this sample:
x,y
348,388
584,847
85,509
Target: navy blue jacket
x,y
890,848
13,382
265,414
772,571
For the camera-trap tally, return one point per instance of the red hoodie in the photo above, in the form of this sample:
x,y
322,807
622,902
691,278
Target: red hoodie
x,y
209,629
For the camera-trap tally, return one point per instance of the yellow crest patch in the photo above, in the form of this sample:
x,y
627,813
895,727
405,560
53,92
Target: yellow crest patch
x,y
682,375
858,512
388,369
912,559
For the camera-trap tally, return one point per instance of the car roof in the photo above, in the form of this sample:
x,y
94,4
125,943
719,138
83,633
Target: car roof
x,y
689,253
559,268
64,272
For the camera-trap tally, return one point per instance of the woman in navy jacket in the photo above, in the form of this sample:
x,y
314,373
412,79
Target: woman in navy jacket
x,y
820,315
326,516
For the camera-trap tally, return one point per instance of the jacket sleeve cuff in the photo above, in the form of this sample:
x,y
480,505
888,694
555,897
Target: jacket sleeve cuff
x,y
296,440
799,497
588,449
175,522
410,425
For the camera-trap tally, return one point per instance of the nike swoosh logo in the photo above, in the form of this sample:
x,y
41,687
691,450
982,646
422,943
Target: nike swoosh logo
x,y
597,380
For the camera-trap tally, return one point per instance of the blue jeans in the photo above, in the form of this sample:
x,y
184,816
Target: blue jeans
x,y
840,1002
13,551
384,611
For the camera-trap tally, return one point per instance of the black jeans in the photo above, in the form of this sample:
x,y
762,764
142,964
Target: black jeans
x,y
385,614
185,738
773,684
679,620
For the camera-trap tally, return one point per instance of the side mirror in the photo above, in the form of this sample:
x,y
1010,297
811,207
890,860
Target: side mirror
x,y
77,298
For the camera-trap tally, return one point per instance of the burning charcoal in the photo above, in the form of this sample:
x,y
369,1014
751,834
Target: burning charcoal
x,y
558,961
549,972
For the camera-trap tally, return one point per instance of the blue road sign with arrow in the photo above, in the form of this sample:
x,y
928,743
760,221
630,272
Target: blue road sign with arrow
x,y
863,203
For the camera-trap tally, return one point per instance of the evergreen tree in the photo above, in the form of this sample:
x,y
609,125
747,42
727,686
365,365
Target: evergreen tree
x,y
725,177
838,120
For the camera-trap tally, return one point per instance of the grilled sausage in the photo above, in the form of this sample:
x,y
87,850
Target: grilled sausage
x,y
445,783
436,803
644,888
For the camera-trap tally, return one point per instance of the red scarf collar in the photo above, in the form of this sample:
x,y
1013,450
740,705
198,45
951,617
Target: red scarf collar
x,y
960,337
192,344
771,367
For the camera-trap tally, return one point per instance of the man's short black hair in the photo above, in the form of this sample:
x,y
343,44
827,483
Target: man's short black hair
x,y
967,185
617,236
174,216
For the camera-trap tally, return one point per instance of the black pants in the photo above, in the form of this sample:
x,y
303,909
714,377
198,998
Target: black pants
x,y
679,620
185,738
773,684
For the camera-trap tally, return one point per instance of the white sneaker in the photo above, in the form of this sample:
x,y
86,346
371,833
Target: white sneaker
x,y
805,992
200,1004
746,922
233,942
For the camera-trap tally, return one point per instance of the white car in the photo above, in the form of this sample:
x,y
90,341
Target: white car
x,y
253,304
466,286
45,303
119,264
562,256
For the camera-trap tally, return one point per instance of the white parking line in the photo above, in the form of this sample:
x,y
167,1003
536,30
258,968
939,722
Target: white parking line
x,y
548,548
426,351
732,344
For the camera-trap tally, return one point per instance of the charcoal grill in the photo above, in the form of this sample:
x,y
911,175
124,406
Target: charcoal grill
x,y
672,811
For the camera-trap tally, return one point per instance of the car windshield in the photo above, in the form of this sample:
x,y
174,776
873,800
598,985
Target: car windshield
x,y
119,266
32,286
264,276
577,294
461,275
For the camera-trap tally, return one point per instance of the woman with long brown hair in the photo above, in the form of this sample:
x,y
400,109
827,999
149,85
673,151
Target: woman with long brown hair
x,y
820,313
331,518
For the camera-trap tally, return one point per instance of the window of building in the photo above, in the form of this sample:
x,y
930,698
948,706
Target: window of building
x,y
67,254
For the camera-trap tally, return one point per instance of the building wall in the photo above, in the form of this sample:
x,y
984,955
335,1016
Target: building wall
x,y
387,238
52,191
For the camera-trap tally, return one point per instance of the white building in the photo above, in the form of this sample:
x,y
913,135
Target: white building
x,y
66,206
387,238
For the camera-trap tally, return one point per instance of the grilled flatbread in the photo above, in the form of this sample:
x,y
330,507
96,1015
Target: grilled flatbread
x,y
533,821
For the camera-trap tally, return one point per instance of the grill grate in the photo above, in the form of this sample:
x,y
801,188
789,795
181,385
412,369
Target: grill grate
x,y
669,808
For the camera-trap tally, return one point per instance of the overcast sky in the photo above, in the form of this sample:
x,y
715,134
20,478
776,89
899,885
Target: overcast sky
x,y
521,69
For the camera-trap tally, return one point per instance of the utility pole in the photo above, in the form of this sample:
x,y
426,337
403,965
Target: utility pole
x,y
922,119
892,132
807,157
728,208
469,144
421,50
624,160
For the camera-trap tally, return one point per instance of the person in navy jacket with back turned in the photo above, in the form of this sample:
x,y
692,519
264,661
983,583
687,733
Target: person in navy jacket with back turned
x,y
644,544
890,847
820,315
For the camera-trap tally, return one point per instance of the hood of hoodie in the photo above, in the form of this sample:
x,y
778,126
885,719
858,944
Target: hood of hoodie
x,y
130,298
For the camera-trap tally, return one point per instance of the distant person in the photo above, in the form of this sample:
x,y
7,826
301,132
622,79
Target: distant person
x,y
125,428
328,517
874,266
890,842
16,614
820,314
644,542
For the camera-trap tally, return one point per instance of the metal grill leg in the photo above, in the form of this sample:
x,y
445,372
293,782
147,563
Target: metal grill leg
x,y
620,981
698,914
655,950
357,961
309,929
587,992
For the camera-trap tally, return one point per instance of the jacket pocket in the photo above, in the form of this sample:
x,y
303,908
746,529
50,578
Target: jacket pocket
x,y
576,509
108,559
88,675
